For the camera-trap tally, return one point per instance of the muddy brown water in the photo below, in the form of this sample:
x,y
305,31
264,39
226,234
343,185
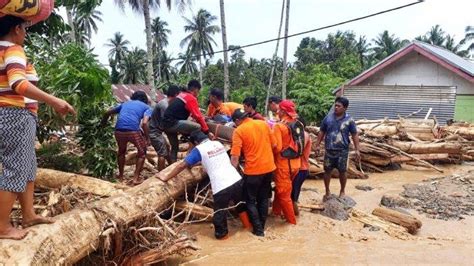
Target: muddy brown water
x,y
320,240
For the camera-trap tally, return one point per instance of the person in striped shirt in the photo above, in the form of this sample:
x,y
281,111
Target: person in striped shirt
x,y
18,96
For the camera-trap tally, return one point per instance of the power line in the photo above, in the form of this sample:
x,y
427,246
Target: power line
x,y
313,30
303,32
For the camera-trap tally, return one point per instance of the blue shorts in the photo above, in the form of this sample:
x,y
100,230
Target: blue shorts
x,y
335,159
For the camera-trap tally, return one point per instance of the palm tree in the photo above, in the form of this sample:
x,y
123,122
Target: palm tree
x,y
272,71
469,37
285,50
199,41
118,48
386,44
133,67
86,18
160,33
224,47
454,47
144,7
163,66
362,48
436,36
187,64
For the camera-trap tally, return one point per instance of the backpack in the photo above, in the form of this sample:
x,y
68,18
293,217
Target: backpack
x,y
296,145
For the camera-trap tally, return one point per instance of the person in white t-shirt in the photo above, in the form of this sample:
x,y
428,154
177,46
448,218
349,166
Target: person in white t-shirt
x,y
226,182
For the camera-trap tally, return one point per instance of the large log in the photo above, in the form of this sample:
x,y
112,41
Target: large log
x,y
409,222
465,131
56,179
424,148
77,233
221,131
380,161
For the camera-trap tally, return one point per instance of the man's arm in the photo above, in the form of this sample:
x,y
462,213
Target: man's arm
x,y
193,108
176,170
146,128
234,160
355,139
106,116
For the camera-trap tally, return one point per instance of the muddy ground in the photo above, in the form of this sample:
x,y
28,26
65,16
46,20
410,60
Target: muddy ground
x,y
317,239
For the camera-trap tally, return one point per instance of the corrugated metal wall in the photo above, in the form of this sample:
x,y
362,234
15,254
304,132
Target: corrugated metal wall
x,y
377,102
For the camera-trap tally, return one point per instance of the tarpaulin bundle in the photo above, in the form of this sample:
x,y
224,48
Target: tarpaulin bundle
x,y
32,11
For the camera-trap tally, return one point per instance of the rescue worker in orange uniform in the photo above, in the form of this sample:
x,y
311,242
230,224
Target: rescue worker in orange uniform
x,y
253,140
217,106
287,169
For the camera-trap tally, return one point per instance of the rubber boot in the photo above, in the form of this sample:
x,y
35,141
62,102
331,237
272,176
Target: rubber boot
x,y
244,218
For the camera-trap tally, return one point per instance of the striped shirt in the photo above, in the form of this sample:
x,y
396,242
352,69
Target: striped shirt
x,y
15,75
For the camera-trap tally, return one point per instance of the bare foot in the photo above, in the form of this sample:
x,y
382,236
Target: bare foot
x,y
137,181
37,220
119,178
13,233
342,195
326,197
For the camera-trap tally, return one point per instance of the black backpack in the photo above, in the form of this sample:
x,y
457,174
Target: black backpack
x,y
296,146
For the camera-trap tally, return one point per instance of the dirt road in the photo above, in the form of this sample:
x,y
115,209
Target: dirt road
x,y
320,240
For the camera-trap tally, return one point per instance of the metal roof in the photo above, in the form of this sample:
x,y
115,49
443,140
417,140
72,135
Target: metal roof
x,y
439,55
455,60
122,92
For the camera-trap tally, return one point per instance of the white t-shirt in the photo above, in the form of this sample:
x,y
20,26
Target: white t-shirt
x,y
216,162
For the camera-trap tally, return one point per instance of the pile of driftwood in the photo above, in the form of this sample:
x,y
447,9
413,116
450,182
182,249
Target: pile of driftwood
x,y
420,142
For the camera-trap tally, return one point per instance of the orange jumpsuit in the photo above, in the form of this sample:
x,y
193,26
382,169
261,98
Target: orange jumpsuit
x,y
285,172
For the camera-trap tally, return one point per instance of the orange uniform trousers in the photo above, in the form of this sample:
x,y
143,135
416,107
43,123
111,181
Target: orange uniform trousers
x,y
282,203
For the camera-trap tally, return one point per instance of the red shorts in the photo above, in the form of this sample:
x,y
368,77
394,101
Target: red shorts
x,y
135,137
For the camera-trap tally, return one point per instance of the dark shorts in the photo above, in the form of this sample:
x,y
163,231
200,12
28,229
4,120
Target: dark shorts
x,y
336,160
135,137
158,142
17,148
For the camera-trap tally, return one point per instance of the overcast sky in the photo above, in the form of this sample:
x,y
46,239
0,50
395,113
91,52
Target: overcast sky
x,y
251,21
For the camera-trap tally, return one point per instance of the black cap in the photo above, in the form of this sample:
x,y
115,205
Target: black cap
x,y
197,136
239,114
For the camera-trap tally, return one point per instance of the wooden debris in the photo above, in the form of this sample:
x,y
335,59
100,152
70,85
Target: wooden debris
x,y
197,211
372,220
312,207
411,223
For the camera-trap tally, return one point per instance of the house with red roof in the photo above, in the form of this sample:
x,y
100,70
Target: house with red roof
x,y
417,80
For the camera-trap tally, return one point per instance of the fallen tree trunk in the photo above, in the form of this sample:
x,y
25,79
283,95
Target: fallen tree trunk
x,y
379,161
221,131
409,222
77,233
423,148
56,179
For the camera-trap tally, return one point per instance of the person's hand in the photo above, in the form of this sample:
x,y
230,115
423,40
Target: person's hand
x,y
62,107
210,135
357,155
161,177
317,151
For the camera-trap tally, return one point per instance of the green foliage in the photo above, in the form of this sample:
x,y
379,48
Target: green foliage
x,y
52,156
74,74
97,142
312,91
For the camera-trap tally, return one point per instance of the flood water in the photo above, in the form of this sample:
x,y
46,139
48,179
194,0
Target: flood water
x,y
320,240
